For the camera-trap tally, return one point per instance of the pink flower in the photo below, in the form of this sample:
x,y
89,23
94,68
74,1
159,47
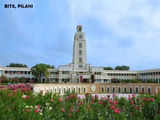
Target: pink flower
x,y
132,102
133,95
152,99
115,102
114,95
92,102
96,96
100,102
51,100
117,111
110,101
60,100
112,107
62,110
71,109
38,106
25,97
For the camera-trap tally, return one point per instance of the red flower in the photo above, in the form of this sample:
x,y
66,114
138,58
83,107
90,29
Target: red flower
x,y
36,110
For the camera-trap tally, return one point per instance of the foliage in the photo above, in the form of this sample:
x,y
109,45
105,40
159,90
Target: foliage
x,y
4,79
18,103
41,70
108,68
131,81
16,65
123,67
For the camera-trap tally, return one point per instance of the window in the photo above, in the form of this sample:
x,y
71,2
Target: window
x,y
136,89
113,90
80,36
130,90
80,45
125,90
142,90
107,90
119,90
80,60
80,66
149,90
102,89
80,52
84,90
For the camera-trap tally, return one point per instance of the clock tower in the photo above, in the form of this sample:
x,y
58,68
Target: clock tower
x,y
79,48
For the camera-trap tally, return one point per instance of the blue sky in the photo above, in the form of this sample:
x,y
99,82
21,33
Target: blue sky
x,y
118,32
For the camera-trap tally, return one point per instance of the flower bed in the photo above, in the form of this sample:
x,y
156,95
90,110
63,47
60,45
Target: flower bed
x,y
20,103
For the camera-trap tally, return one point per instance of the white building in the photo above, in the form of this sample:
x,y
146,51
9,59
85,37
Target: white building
x,y
79,71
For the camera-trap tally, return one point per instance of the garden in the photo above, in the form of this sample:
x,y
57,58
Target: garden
x,y
19,102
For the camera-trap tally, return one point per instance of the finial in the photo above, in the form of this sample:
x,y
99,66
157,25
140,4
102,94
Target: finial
x,y
79,28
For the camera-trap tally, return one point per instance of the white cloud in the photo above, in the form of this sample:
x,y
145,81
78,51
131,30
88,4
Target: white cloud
x,y
137,20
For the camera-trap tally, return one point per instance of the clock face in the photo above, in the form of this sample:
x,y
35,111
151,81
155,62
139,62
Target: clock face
x,y
93,88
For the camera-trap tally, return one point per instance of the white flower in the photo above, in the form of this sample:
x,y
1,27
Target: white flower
x,y
50,108
27,106
47,104
24,96
41,113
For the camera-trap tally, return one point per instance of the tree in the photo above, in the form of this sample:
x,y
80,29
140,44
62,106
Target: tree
x,y
108,68
16,65
123,67
40,71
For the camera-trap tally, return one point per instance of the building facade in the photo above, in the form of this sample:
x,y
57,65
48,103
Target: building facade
x,y
79,71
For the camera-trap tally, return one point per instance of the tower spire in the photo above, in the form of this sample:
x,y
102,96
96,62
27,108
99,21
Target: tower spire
x,y
79,47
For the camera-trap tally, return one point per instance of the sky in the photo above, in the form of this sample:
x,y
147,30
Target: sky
x,y
118,32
